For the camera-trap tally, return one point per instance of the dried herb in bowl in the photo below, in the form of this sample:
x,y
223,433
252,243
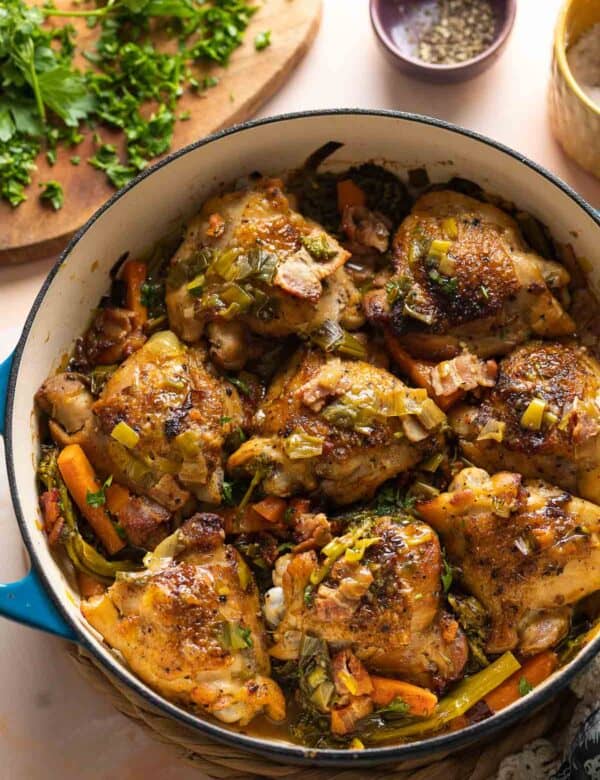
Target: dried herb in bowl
x,y
455,31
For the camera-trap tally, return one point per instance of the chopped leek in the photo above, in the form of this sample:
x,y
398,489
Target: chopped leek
x,y
439,247
189,443
235,637
463,697
356,553
244,573
331,337
300,445
534,414
433,463
447,265
234,294
350,682
450,228
417,315
223,264
430,415
493,429
125,435
196,286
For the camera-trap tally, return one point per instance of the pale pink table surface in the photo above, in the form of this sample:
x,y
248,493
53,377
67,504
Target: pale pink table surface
x,y
52,725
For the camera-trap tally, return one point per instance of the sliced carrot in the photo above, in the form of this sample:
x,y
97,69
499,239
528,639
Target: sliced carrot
x,y
418,371
116,498
420,701
532,672
271,508
89,586
134,275
79,477
349,194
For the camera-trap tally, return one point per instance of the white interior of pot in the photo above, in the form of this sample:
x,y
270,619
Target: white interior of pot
x,y
152,208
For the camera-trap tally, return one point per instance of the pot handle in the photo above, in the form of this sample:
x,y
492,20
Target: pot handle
x,y
27,601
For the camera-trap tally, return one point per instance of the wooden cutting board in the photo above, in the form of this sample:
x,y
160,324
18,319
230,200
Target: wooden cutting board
x,y
33,231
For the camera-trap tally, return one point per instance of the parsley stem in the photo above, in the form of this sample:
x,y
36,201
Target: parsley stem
x,y
94,12
35,86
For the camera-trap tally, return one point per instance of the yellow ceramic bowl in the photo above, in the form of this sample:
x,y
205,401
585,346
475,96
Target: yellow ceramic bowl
x,y
574,118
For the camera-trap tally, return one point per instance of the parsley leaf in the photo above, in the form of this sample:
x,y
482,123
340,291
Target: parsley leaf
x,y
99,497
262,40
447,576
525,686
240,384
53,193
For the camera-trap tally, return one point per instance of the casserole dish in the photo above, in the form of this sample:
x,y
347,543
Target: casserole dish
x,y
149,208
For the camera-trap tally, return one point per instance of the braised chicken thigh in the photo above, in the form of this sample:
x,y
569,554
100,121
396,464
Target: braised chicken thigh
x,y
158,426
527,550
190,626
541,419
463,277
375,589
338,426
248,255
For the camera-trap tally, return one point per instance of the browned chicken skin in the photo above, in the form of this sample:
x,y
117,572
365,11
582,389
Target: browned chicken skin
x,y
480,287
527,550
314,402
261,262
180,411
565,448
386,606
190,630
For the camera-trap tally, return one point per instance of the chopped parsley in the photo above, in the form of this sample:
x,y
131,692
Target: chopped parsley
x,y
44,98
525,686
448,285
53,194
397,706
240,385
447,576
309,596
99,497
262,40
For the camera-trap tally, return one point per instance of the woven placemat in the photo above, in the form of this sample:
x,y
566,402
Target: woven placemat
x,y
228,763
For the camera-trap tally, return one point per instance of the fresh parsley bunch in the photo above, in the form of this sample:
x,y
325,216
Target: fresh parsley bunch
x,y
130,85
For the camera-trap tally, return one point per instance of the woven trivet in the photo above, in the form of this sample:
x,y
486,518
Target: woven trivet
x,y
478,762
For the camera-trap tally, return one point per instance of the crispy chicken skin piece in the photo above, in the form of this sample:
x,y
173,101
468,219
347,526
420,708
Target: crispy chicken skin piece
x,y
319,397
174,625
565,450
527,550
483,289
181,412
291,268
385,607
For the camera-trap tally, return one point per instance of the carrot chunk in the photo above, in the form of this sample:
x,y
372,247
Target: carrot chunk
x,y
419,371
271,508
134,276
349,194
79,477
533,671
420,701
116,498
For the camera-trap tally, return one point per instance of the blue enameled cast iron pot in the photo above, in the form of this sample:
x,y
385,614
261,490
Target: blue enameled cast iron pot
x,y
150,207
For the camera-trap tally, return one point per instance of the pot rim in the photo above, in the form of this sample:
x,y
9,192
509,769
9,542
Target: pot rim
x,y
275,750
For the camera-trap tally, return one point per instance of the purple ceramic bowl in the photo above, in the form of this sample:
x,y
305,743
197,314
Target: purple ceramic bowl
x,y
392,21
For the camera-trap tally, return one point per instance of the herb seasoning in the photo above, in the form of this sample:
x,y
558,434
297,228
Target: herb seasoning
x,y
455,31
